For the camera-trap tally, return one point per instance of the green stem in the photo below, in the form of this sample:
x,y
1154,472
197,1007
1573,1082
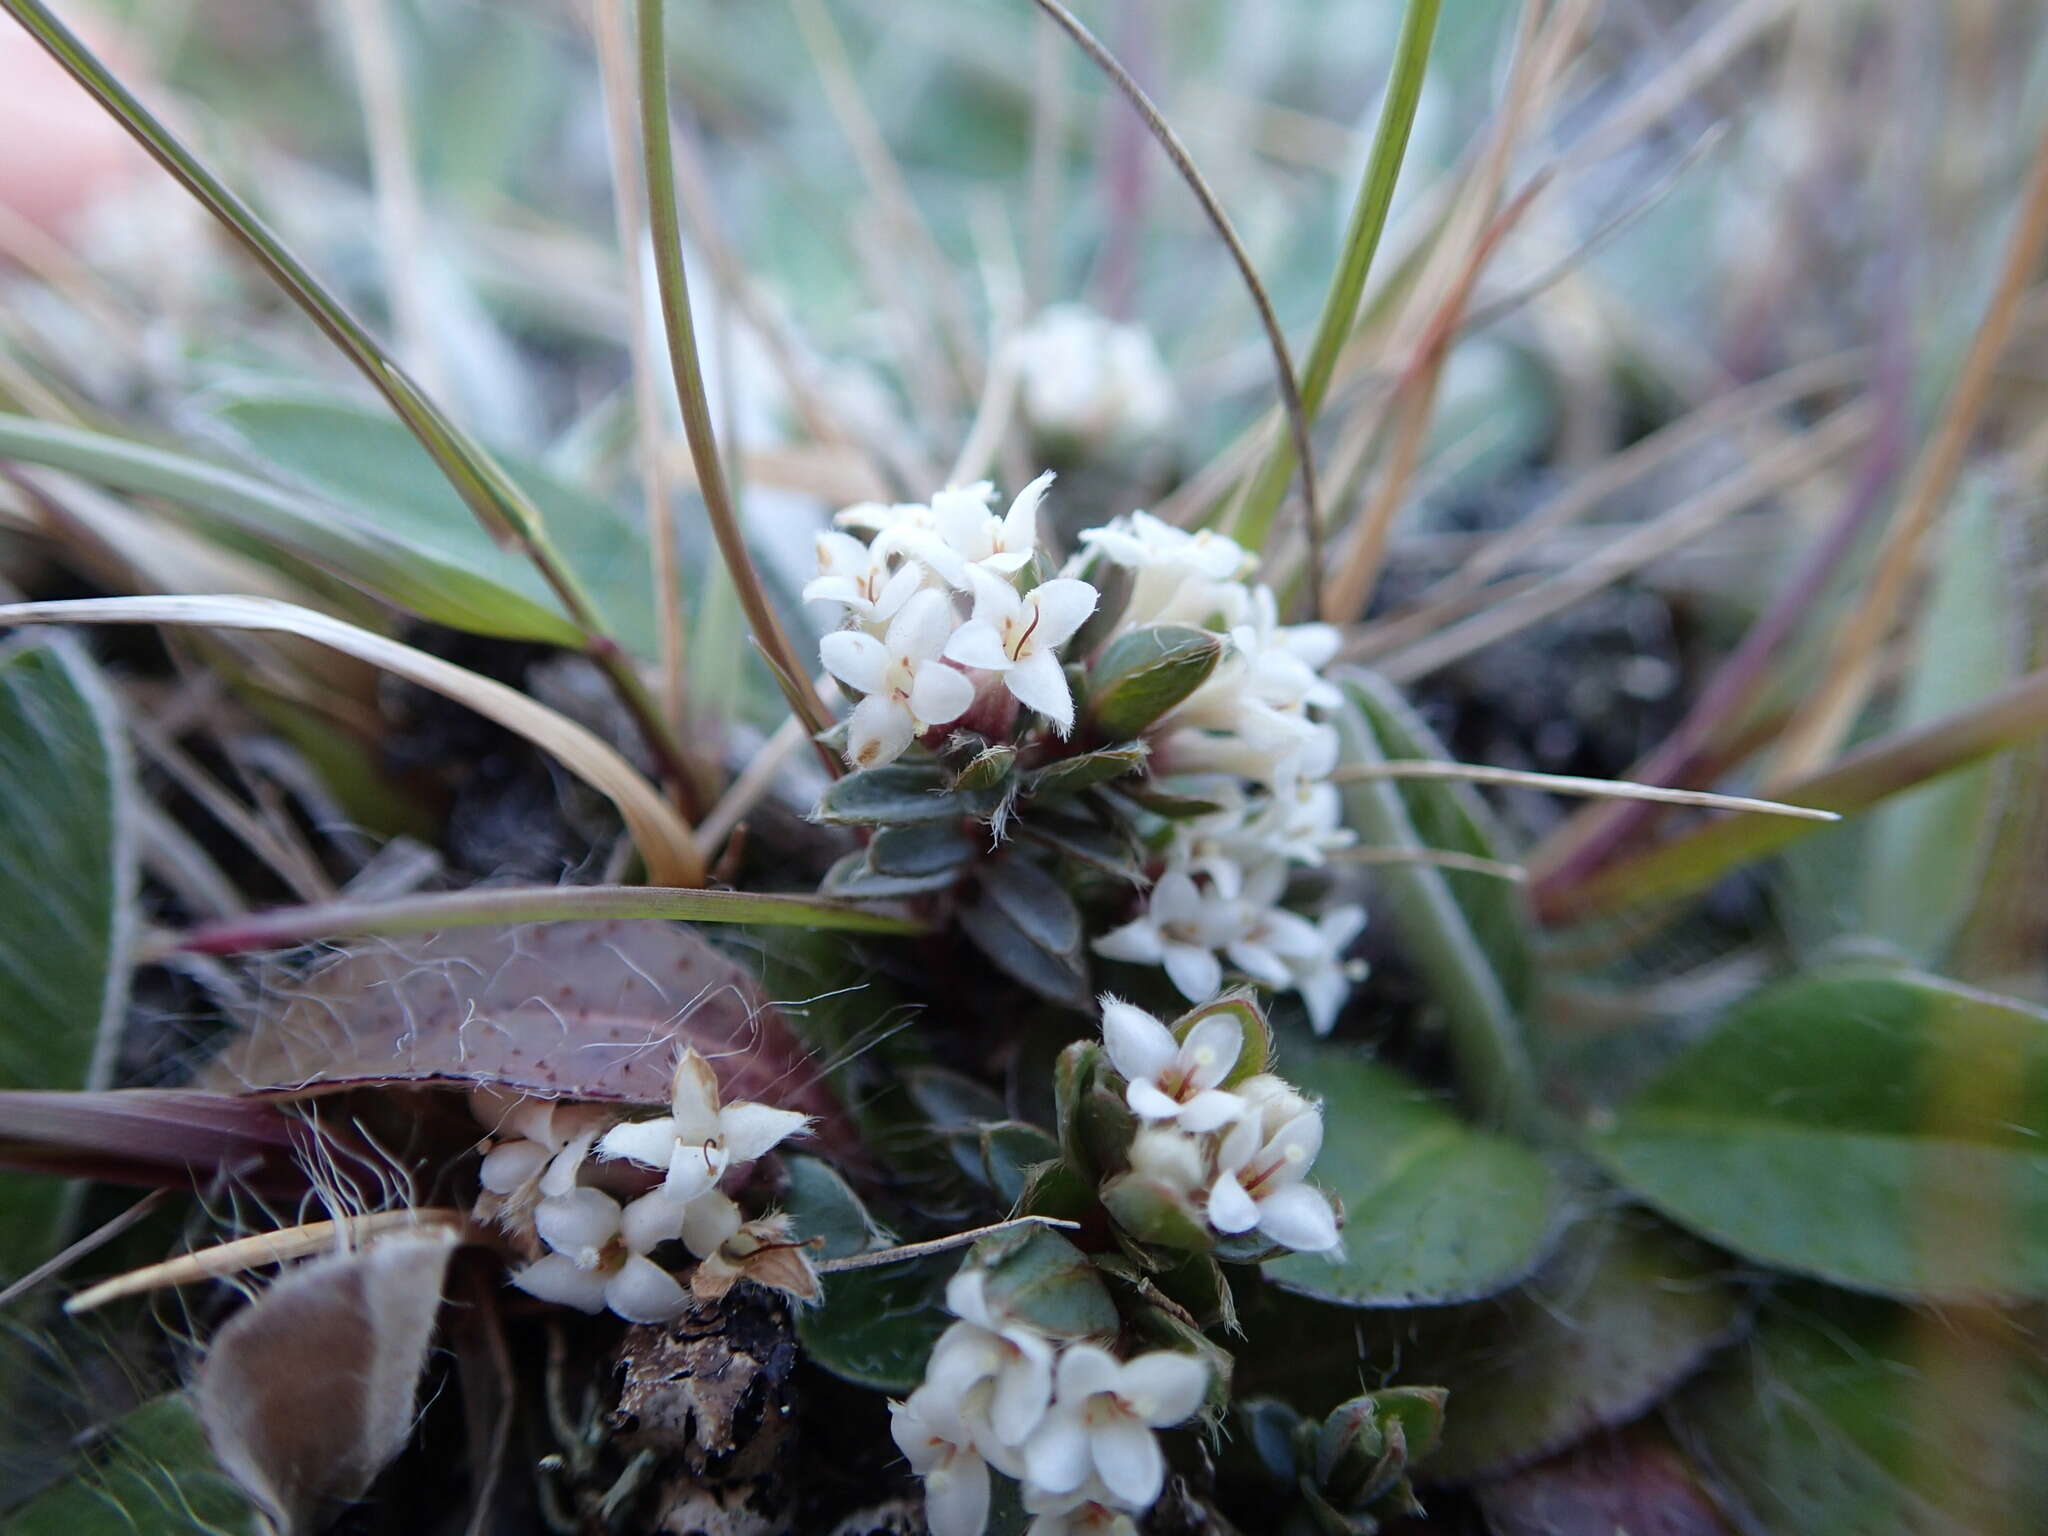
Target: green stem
x,y
484,486
659,156
1361,241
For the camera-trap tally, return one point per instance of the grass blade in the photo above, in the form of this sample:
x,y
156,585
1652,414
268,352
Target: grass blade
x,y
1361,241
664,839
291,926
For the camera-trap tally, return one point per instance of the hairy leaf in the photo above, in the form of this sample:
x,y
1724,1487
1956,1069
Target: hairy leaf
x,y
586,1010
308,1391
150,1472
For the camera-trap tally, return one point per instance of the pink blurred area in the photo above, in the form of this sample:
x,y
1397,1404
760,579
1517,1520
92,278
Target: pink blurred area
x,y
61,155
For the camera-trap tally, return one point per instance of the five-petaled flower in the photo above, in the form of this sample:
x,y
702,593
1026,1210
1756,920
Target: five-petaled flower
x,y
599,1256
700,1137
861,579
984,1345
1020,634
1174,1081
1181,928
1260,1169
908,688
965,535
1102,1417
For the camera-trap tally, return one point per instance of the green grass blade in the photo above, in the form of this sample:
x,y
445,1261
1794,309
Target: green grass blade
x,y
1361,242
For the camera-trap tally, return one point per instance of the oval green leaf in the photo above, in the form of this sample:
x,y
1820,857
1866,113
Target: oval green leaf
x,y
1884,1131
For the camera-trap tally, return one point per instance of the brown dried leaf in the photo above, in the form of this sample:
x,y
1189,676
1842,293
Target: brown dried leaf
x,y
592,1010
1635,1481
307,1393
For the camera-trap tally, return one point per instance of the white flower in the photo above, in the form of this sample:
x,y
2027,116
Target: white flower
x,y
1182,928
858,577
965,534
1182,578
1072,1515
1019,636
1170,1158
932,1435
600,1256
700,1138
1324,976
545,1142
1084,376
909,689
1269,939
1259,1176
1102,1420
1174,1081
987,1346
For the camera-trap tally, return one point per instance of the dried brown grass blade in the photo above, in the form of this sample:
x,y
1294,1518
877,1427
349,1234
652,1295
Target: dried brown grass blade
x,y
664,839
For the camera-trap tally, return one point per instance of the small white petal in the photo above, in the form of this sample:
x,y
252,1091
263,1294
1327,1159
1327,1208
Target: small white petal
x,y
1299,1216
924,626
1023,1389
1259,963
1211,1049
1148,1103
857,660
648,1142
956,1496
1165,1386
556,1279
1063,606
1086,1369
693,1167
1139,1046
1056,1457
749,1130
1230,1208
505,1169
1210,1110
1197,972
939,694
879,731
577,1224
1138,942
643,1292
967,1297
1040,683
560,1175
1296,1144
694,1096
978,643
1020,523
652,1220
1127,1455
709,1223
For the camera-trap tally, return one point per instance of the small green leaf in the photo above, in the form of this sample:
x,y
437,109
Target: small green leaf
x,y
67,893
1024,920
1144,674
1010,1151
876,1327
822,1205
1152,1211
850,879
1038,1277
151,1472
1473,974
988,769
1105,850
1435,1211
1071,775
1884,1131
929,849
891,796
1845,1416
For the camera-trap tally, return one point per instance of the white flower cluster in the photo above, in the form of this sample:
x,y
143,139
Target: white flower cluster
x,y
598,1247
1240,1156
1086,379
1071,1422
1249,742
920,661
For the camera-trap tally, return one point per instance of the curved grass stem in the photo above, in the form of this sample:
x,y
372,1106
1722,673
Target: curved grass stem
x,y
658,156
